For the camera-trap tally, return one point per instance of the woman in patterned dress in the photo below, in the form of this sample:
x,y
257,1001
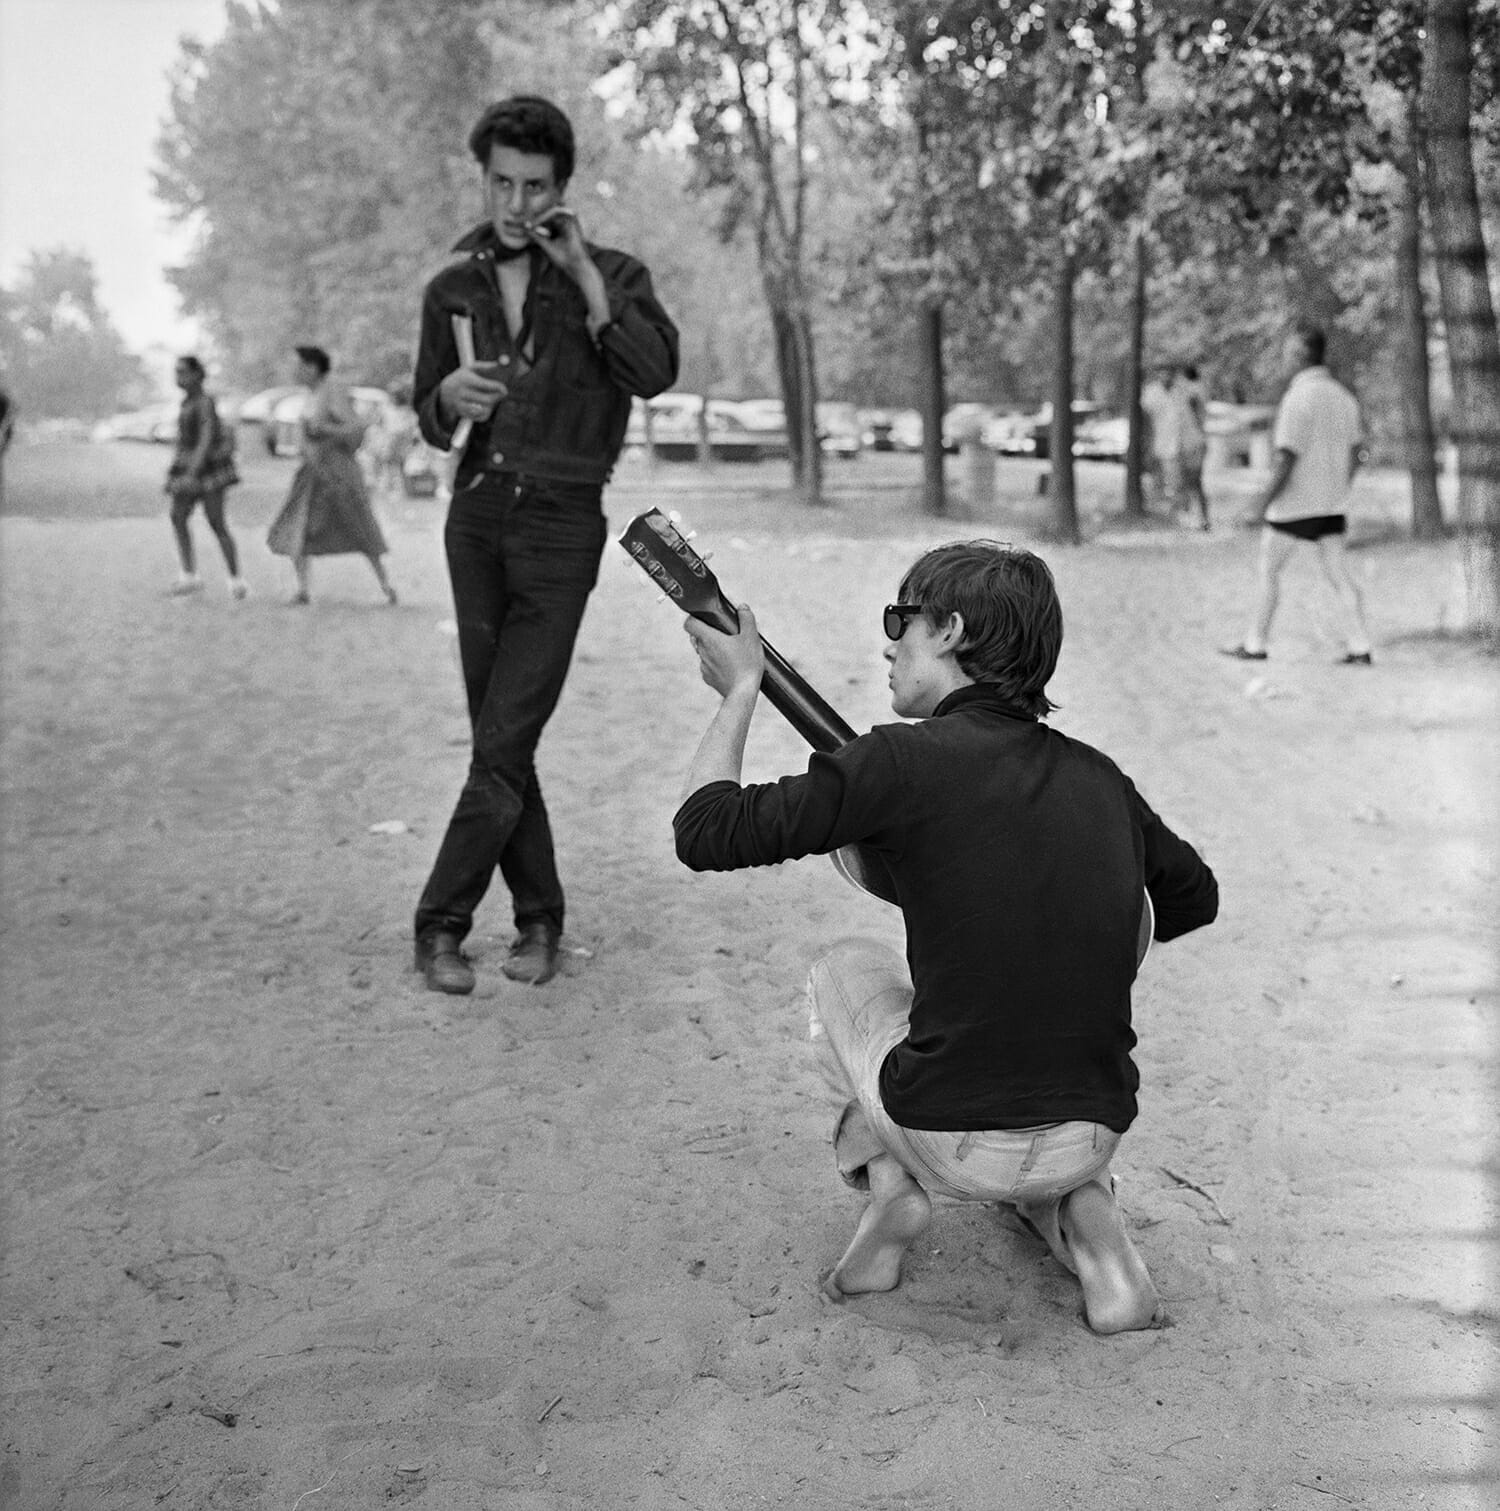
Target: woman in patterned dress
x,y
327,512
202,469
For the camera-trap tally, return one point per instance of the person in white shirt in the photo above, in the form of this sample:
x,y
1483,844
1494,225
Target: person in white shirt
x,y
1162,425
1318,443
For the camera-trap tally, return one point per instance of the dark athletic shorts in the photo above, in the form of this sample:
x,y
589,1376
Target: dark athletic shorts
x,y
1314,528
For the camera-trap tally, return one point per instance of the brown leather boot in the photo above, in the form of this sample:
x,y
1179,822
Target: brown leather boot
x,y
533,955
443,965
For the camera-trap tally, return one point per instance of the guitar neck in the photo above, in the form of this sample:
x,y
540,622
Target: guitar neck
x,y
789,693
785,688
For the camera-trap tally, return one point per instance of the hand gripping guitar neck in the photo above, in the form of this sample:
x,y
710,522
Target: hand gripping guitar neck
x,y
676,568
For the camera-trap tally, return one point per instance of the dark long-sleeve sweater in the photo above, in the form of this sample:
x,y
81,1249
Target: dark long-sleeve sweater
x,y
1019,858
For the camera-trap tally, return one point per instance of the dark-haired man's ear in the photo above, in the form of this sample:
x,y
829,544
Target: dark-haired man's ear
x,y
952,633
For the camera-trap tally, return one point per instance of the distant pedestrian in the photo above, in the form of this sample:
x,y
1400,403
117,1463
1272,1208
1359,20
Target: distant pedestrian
x,y
201,471
7,430
390,440
1317,440
327,512
1159,410
1189,406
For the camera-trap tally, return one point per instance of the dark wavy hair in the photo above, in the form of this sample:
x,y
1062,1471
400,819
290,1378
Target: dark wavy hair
x,y
1314,340
1013,626
315,356
528,123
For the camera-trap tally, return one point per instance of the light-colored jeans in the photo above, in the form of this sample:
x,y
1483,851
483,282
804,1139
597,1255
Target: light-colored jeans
x,y
859,1001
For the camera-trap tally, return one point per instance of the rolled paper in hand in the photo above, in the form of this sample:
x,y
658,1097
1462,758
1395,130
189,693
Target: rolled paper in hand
x,y
463,339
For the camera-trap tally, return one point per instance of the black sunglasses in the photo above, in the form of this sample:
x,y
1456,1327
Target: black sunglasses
x,y
896,618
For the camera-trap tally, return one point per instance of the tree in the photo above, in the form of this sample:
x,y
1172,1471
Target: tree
x,y
64,355
1468,310
1025,160
740,81
1419,434
319,151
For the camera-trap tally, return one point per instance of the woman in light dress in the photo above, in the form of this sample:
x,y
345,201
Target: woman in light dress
x,y
327,512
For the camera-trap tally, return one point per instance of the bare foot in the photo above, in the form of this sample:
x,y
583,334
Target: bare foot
x,y
1118,1295
898,1213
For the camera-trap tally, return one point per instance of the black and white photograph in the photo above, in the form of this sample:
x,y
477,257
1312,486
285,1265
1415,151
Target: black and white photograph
x,y
749,755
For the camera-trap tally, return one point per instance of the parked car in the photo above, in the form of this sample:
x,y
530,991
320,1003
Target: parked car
x,y
1102,438
738,431
839,430
1238,435
157,423
964,422
1009,433
256,413
1041,426
285,437
673,419
906,430
876,433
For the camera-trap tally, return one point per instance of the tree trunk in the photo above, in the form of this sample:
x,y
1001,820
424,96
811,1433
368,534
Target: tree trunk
x,y
1135,496
803,421
796,365
787,374
934,495
1419,436
1064,496
1468,313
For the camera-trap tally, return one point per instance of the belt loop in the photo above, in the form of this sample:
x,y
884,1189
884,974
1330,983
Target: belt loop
x,y
964,1145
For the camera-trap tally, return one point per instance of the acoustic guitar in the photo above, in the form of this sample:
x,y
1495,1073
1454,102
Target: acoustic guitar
x,y
661,551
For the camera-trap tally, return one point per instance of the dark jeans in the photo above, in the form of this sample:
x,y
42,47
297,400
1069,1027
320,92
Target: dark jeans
x,y
523,556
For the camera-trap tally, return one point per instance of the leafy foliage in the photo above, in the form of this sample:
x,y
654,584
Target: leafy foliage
x,y
62,354
318,148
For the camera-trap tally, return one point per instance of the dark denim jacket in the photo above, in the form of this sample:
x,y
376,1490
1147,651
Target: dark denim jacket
x,y
565,417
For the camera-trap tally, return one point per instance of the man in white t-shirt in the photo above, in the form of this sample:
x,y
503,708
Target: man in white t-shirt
x,y
1318,441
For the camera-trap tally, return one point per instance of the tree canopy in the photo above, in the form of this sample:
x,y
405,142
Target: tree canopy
x,y
60,351
317,149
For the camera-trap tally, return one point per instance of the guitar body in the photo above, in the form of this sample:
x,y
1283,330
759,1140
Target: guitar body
x,y
662,552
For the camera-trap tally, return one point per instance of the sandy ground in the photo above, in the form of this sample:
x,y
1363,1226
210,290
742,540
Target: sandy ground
x,y
283,1230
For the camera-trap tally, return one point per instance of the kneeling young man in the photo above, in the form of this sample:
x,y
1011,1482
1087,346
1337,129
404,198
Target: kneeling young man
x,y
994,1063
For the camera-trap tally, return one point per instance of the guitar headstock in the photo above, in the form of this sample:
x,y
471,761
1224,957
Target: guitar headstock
x,y
677,569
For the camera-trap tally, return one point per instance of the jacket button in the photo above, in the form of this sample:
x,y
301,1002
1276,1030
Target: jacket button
x,y
498,457
505,361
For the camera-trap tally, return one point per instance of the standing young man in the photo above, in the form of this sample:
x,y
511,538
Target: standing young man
x,y
1318,442
993,1064
564,334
